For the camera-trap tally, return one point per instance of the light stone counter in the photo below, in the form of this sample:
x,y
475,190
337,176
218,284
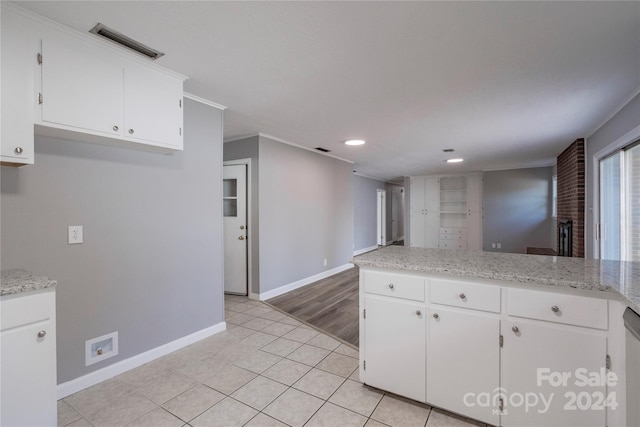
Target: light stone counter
x,y
622,279
18,281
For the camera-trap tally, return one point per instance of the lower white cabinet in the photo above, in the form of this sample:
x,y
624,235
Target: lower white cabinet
x,y
541,361
496,353
395,352
463,362
28,354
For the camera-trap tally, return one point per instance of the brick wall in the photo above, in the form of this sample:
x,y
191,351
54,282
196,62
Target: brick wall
x,y
571,192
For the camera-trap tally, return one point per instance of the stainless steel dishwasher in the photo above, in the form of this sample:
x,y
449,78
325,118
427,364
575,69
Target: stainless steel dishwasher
x,y
632,341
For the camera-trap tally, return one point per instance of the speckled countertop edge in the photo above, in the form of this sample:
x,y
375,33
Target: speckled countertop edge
x,y
18,281
621,279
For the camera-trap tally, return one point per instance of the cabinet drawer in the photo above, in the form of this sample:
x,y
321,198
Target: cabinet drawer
x,y
452,244
464,294
559,308
394,285
452,230
453,236
28,308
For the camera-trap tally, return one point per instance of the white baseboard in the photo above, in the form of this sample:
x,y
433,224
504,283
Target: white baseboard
x,y
303,282
364,250
254,296
95,377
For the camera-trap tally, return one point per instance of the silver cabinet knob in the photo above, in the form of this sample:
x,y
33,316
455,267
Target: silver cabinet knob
x,y
241,238
18,150
418,313
391,286
462,295
515,329
41,334
116,128
555,309
131,131
435,315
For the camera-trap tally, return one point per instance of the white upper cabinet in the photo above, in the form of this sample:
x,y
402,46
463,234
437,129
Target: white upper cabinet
x,y
153,106
103,96
81,88
19,47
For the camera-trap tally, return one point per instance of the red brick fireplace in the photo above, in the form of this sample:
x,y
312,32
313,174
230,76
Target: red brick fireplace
x,y
571,193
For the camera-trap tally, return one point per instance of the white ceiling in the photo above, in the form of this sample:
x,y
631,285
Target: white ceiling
x,y
506,84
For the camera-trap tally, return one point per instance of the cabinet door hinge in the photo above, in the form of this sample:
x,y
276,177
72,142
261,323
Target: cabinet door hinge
x,y
364,365
607,362
40,98
501,404
364,313
501,340
180,131
39,58
180,103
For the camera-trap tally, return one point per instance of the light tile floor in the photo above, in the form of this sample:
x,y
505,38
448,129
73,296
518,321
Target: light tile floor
x,y
266,369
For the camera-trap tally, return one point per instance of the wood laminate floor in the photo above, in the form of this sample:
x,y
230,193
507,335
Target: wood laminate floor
x,y
329,304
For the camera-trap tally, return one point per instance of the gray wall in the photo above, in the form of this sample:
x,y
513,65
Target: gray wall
x,y
248,149
517,209
623,122
365,215
306,213
151,266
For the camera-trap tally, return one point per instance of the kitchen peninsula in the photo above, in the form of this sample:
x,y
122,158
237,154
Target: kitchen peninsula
x,y
506,339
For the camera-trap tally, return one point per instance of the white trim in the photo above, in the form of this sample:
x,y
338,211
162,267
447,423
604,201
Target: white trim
x,y
616,145
93,378
365,250
91,39
203,101
534,165
241,137
379,179
627,100
254,296
303,282
246,162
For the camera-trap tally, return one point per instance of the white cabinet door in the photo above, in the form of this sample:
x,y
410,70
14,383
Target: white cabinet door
x,y
19,48
474,193
534,357
28,368
394,346
463,362
81,87
153,106
431,229
432,194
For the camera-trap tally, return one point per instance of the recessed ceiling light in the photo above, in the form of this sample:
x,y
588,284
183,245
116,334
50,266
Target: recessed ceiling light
x,y
455,160
355,142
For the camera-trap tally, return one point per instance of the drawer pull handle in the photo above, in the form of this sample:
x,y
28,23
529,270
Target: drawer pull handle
x,y
555,309
41,334
116,128
462,295
435,315
418,313
131,131
391,286
18,150
515,329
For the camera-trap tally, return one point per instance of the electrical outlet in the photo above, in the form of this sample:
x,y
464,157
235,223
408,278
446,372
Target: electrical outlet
x,y
493,246
499,245
75,234
325,262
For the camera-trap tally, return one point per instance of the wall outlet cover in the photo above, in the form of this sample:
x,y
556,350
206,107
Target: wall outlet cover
x,y
75,235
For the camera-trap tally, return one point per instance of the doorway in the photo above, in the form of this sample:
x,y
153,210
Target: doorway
x,y
235,213
382,218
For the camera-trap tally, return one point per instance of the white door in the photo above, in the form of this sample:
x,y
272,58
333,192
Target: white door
x,y
463,344
235,228
382,218
394,352
395,203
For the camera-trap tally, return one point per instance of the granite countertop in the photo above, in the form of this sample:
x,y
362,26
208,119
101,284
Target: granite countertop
x,y
18,281
621,278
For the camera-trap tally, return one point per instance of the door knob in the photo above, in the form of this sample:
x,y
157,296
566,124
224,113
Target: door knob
x,y
241,238
242,227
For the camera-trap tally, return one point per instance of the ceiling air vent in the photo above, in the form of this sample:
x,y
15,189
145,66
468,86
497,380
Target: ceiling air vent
x,y
324,150
106,32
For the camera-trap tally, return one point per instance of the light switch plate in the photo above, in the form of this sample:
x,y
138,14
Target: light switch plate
x,y
75,234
